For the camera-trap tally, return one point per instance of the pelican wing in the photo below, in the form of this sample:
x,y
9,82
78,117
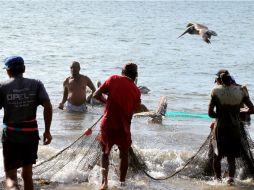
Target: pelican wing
x,y
200,26
186,31
212,33
206,38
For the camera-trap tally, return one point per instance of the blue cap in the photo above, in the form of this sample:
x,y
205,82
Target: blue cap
x,y
13,62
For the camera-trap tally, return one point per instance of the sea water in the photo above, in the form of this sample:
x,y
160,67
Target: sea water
x,y
103,36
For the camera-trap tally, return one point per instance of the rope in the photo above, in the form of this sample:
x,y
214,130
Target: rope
x,y
60,152
185,114
185,165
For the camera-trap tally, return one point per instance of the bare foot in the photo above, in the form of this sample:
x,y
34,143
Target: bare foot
x,y
104,186
230,181
123,184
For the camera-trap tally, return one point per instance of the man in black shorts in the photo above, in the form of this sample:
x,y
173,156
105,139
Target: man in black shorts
x,y
20,97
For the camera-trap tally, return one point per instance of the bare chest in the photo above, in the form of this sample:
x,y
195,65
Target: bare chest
x,y
76,84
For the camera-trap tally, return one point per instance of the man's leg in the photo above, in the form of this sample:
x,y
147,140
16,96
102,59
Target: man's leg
x,y
231,169
104,171
27,175
217,166
123,165
12,180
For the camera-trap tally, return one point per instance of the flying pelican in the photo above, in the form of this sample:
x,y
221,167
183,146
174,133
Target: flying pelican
x,y
199,29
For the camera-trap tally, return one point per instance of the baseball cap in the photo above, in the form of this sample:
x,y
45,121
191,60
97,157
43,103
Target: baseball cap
x,y
226,73
222,71
13,62
218,74
226,78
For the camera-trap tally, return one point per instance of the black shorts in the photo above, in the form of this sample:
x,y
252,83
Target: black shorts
x,y
17,155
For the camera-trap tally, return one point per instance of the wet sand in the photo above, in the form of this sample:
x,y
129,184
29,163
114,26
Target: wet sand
x,y
172,185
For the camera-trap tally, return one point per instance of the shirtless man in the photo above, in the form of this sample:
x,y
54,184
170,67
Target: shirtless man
x,y
75,90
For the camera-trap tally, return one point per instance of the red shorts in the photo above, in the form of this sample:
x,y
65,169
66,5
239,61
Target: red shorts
x,y
17,155
106,148
108,140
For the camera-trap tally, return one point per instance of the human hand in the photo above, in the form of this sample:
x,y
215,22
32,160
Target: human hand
x,y
212,125
88,132
61,106
47,138
244,110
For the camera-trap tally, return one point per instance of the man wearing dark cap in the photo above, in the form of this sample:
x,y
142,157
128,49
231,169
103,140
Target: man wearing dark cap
x,y
227,99
123,99
20,97
217,78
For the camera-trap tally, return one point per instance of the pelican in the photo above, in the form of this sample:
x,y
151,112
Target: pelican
x,y
199,29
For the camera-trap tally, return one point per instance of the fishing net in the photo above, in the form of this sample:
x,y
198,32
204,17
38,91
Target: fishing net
x,y
79,158
82,155
199,165
195,166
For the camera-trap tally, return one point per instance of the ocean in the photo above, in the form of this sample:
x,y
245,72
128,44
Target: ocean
x,y
104,35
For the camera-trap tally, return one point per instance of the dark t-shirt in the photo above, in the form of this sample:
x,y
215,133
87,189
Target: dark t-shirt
x,y
20,98
228,100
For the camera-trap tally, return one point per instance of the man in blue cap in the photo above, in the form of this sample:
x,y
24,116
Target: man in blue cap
x,y
20,97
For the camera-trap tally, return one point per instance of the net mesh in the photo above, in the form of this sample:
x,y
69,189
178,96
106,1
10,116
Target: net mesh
x,y
199,165
81,156
84,154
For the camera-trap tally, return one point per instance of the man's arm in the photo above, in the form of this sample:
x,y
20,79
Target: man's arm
x,y
65,96
47,114
98,95
250,106
247,102
90,85
211,111
212,104
211,107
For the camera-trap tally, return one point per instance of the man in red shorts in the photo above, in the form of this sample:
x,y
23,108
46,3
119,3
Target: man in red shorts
x,y
123,99
20,97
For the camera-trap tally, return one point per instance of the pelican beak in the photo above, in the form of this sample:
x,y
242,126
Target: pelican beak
x,y
186,31
182,34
